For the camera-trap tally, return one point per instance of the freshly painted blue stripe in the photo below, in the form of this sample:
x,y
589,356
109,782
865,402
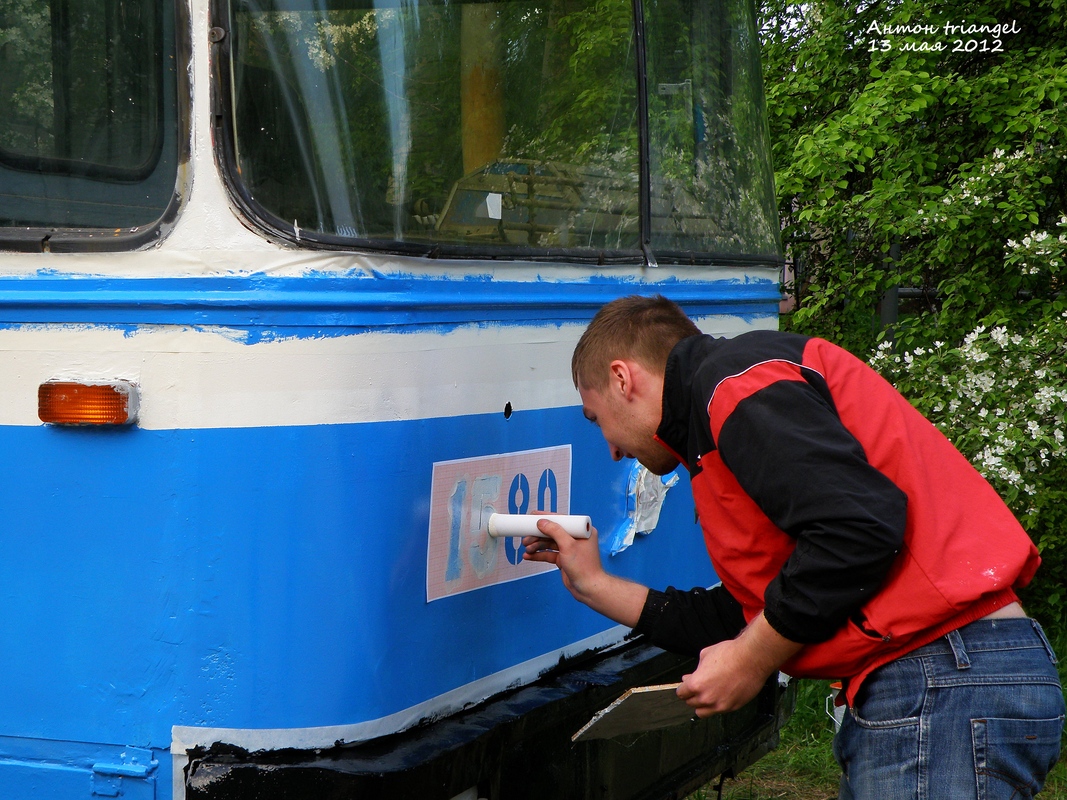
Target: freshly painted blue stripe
x,y
330,305
272,578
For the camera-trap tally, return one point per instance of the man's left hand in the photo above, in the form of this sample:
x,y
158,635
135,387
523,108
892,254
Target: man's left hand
x,y
732,672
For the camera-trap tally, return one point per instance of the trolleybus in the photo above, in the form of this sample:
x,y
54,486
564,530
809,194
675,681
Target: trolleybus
x,y
288,291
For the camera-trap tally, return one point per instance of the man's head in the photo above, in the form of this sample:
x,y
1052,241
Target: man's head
x,y
618,369
640,329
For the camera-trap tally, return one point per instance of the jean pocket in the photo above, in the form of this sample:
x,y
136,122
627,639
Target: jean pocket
x,y
883,721
1012,757
891,696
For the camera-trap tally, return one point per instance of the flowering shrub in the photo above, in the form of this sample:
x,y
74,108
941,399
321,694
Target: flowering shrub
x,y
1001,397
1039,251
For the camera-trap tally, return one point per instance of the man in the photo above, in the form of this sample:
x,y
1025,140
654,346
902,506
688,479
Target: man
x,y
853,541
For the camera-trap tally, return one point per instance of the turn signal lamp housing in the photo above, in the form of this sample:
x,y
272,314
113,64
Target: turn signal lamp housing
x,y
83,403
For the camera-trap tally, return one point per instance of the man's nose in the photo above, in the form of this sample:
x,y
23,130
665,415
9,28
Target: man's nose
x,y
616,453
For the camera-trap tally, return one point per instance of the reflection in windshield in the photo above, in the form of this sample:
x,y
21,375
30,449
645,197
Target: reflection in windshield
x,y
510,124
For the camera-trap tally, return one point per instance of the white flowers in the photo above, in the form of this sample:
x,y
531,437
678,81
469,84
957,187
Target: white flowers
x,y
1038,251
1001,396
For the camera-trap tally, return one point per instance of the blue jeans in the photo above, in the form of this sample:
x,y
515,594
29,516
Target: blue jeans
x,y
976,714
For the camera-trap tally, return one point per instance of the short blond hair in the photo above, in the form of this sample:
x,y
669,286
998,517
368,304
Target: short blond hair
x,y
641,329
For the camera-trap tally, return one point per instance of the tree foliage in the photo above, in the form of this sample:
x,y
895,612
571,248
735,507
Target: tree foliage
x,y
925,146
893,125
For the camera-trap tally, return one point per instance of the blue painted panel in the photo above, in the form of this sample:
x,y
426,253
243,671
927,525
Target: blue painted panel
x,y
315,306
33,769
271,577
33,779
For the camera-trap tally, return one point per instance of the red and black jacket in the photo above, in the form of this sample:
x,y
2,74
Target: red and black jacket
x,y
828,503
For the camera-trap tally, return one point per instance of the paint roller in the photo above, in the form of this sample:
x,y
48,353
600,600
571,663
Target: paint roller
x,y
502,525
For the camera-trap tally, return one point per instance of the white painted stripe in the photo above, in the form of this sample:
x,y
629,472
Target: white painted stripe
x,y
184,738
193,379
204,251
177,776
205,379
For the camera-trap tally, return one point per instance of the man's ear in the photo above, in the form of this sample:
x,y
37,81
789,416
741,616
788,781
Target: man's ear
x,y
622,378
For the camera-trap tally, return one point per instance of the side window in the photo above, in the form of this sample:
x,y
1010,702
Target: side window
x,y
88,120
712,182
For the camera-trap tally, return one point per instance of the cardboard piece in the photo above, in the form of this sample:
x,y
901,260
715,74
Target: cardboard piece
x,y
643,708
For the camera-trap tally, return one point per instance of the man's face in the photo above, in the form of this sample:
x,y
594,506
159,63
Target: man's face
x,y
628,425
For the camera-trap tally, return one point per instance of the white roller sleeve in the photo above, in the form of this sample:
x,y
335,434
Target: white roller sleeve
x,y
579,527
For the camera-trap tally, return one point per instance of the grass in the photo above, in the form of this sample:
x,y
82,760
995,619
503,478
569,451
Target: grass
x,y
803,766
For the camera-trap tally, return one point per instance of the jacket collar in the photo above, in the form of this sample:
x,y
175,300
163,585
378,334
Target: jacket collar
x,y
678,395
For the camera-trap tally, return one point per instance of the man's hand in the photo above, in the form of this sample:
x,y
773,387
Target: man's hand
x,y
732,672
583,574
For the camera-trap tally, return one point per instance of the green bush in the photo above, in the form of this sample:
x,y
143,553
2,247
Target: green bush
x,y
903,161
1001,397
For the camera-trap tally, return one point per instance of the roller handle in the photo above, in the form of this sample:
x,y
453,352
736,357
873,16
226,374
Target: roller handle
x,y
501,525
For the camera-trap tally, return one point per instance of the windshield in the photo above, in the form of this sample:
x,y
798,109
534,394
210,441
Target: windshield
x,y
87,113
496,127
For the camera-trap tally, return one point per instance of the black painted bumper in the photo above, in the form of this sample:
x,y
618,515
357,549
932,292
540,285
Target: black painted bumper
x,y
516,745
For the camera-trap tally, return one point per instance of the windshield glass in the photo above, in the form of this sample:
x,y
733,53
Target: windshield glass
x,y
87,113
490,127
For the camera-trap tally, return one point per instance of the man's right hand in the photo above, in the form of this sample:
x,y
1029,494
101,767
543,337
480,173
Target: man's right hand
x,y
583,573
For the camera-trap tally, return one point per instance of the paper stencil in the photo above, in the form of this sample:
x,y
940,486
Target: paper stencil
x,y
460,554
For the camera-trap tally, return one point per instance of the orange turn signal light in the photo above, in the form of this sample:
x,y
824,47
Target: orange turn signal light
x,y
78,403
